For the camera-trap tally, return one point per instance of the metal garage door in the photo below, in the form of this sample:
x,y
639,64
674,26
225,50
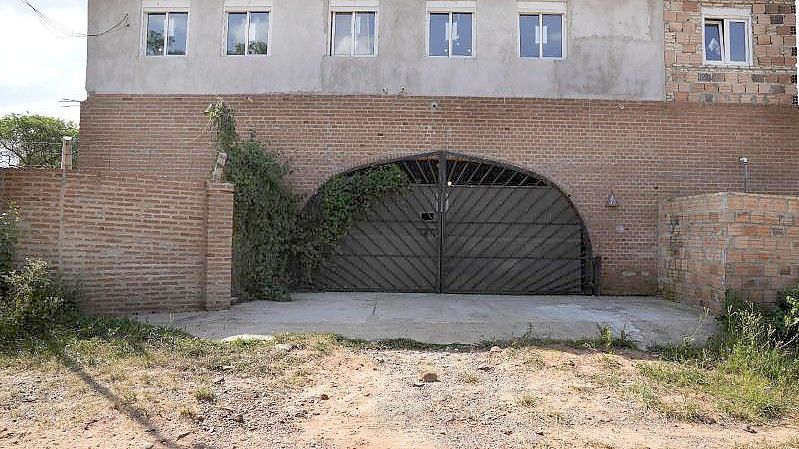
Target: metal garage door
x,y
464,225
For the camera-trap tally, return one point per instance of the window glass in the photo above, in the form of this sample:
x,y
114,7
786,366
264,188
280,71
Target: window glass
x,y
155,34
552,35
439,45
236,32
259,33
461,34
176,33
364,33
737,36
528,44
342,39
713,44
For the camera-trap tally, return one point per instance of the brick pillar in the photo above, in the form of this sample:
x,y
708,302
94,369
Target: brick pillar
x,y
219,241
66,153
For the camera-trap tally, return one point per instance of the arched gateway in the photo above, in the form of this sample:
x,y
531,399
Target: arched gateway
x,y
464,225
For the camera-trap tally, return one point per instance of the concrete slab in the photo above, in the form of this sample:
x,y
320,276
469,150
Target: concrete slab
x,y
468,319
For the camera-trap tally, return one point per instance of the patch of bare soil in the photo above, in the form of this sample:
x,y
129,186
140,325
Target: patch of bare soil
x,y
358,398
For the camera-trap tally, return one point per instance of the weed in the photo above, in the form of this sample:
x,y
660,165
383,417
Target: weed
x,y
610,362
607,341
188,413
527,400
468,378
204,394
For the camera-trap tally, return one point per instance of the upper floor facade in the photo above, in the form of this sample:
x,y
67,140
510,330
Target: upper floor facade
x,y
608,49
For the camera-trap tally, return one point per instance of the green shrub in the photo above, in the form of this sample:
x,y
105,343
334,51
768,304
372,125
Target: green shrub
x,y
786,318
9,233
33,302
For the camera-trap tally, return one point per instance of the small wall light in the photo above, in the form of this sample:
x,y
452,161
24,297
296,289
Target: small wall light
x,y
612,201
745,162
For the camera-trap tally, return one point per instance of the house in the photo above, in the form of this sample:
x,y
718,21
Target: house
x,y
539,136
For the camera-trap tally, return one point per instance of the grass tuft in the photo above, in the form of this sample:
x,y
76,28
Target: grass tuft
x,y
468,378
204,394
527,400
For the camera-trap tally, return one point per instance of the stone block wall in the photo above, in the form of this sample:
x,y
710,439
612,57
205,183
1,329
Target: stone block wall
x,y
742,243
132,242
770,79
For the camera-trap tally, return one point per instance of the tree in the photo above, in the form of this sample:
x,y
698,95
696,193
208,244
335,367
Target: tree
x,y
33,140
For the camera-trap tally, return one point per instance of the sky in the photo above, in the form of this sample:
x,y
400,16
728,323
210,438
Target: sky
x,y
38,66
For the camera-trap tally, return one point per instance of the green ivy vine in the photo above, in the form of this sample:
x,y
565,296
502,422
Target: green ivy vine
x,y
341,200
277,242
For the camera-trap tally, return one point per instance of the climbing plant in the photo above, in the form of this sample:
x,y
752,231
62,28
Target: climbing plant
x,y
274,243
341,201
264,214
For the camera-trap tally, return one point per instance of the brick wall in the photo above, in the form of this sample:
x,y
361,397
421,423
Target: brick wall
x,y
771,78
642,150
745,243
135,243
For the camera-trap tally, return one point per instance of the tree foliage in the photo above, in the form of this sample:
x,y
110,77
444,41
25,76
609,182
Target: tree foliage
x,y
34,140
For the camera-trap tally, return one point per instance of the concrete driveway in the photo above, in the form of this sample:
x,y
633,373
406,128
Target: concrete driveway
x,y
434,318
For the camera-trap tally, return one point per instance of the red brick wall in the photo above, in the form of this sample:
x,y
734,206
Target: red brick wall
x,y
134,243
644,151
770,79
744,243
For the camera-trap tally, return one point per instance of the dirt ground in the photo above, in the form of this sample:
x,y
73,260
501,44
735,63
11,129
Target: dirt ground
x,y
294,396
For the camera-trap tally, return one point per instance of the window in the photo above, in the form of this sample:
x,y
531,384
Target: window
x,y
165,27
354,33
450,29
726,36
353,27
541,35
542,30
247,33
166,33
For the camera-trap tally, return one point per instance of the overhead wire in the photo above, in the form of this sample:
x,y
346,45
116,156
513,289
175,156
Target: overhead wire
x,y
64,30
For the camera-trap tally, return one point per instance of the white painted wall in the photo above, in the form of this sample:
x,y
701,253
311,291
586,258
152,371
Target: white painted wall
x,y
615,51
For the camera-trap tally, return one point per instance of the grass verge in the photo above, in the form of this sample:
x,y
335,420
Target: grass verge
x,y
749,371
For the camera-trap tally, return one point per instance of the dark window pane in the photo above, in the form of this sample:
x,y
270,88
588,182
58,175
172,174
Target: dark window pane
x,y
342,39
461,34
365,33
528,45
552,35
259,33
155,34
713,41
737,36
439,46
236,31
176,33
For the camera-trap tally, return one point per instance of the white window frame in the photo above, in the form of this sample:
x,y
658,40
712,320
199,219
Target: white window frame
x,y
163,7
725,16
540,9
450,7
246,6
352,7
